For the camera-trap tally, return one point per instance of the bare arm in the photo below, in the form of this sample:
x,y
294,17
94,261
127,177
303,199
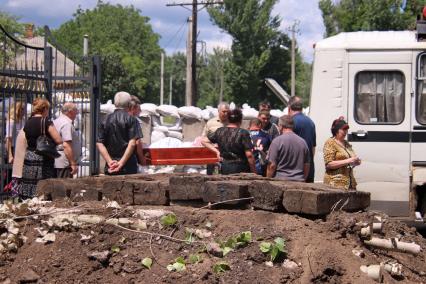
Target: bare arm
x,y
342,163
251,161
270,171
206,143
69,153
54,134
127,154
139,152
9,149
313,151
306,170
104,152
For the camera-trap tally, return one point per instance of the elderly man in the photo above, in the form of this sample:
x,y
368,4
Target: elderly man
x,y
305,128
219,121
288,155
67,164
117,138
135,111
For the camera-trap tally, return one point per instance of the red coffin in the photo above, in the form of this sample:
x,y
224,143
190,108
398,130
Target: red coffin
x,y
179,156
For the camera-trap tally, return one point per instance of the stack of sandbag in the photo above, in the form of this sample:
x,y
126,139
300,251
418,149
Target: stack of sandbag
x,y
249,112
162,128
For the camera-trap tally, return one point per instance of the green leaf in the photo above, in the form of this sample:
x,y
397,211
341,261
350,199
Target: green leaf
x,y
221,266
180,260
274,252
226,250
231,242
244,237
280,243
195,258
170,267
147,262
178,265
265,247
168,220
189,237
115,249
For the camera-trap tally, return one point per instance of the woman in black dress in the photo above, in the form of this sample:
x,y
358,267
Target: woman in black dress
x,y
37,167
235,147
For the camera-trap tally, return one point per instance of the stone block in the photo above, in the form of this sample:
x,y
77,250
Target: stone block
x,y
149,192
217,191
112,190
267,195
321,202
188,187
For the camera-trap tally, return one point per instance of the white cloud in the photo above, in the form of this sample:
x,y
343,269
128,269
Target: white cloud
x,y
167,20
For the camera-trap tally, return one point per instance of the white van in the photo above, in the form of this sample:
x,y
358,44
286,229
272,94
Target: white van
x,y
377,81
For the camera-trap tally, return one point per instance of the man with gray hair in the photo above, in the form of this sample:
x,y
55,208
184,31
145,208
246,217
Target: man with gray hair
x,y
67,164
288,154
117,138
218,121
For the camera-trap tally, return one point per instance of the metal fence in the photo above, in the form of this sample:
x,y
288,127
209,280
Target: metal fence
x,y
39,67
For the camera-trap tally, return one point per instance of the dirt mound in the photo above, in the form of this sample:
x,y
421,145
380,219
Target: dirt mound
x,y
315,251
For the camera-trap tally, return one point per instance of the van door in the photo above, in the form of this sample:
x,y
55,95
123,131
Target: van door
x,y
379,120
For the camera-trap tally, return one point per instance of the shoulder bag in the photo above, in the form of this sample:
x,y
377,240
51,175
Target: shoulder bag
x,y
45,146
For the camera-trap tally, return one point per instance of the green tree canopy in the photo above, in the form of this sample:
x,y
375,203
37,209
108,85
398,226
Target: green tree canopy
x,y
257,48
369,15
128,46
10,24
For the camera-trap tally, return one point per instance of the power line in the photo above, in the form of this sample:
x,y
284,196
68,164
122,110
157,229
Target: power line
x,y
176,33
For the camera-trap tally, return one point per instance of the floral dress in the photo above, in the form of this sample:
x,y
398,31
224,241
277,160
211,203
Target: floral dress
x,y
342,177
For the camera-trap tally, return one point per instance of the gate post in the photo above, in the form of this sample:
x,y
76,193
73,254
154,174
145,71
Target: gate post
x,y
96,84
48,66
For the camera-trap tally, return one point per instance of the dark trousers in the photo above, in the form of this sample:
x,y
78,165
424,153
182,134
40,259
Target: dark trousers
x,y
228,168
63,172
311,173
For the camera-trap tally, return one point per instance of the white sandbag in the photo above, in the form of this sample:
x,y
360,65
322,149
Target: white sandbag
x,y
148,108
209,112
285,111
175,134
167,142
108,108
155,120
232,106
306,110
250,113
190,112
277,113
168,110
161,128
157,136
246,106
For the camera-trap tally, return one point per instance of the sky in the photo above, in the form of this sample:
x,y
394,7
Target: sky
x,y
170,22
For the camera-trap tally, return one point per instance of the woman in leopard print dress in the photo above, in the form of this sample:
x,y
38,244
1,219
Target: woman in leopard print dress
x,y
340,158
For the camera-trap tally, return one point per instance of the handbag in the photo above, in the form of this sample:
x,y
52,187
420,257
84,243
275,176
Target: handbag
x,y
44,145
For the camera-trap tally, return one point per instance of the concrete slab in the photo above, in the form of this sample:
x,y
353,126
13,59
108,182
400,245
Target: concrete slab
x,y
188,187
217,191
149,192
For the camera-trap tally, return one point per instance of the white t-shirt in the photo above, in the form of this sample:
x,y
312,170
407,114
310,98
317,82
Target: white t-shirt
x,y
64,126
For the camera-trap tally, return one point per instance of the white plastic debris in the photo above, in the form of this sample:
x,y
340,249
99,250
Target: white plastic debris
x,y
290,265
113,204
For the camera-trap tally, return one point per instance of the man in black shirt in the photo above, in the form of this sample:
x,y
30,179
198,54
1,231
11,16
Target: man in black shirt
x,y
117,138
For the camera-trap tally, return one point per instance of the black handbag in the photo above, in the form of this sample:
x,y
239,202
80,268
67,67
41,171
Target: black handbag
x,y
45,146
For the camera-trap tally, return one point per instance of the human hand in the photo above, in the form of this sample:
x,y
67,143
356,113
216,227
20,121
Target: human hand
x,y
10,160
116,167
74,169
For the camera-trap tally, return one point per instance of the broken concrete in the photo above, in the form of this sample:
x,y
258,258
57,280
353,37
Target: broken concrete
x,y
217,191
322,202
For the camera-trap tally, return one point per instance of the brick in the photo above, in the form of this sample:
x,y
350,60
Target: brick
x,y
217,191
150,192
321,202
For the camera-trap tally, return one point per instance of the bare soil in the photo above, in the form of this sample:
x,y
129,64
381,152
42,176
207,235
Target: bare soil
x,y
322,249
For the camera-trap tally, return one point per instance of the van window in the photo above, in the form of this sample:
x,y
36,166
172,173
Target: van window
x,y
421,90
379,97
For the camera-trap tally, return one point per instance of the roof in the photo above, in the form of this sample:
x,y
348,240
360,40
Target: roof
x,y
60,63
372,40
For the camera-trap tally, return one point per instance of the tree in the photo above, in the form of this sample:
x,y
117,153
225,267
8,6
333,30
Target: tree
x,y
128,47
11,25
257,50
369,15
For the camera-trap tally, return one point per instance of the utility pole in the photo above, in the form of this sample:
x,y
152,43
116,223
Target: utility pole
x,y
192,100
171,90
189,91
293,29
162,79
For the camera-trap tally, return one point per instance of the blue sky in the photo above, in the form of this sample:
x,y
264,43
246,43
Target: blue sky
x,y
169,22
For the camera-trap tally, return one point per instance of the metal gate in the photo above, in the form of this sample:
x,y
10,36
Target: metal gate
x,y
37,66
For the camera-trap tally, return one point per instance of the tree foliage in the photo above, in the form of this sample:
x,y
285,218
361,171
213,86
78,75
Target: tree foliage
x,y
369,15
257,48
128,47
10,24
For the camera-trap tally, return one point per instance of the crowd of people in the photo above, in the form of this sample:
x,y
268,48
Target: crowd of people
x,y
281,148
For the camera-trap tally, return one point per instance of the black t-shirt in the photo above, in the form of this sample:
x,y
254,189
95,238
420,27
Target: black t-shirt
x,y
117,130
233,142
33,130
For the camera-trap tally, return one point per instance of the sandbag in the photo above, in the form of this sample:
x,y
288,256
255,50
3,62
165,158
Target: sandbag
x,y
109,107
157,136
277,113
190,112
167,142
250,113
148,108
175,134
168,110
209,112
161,128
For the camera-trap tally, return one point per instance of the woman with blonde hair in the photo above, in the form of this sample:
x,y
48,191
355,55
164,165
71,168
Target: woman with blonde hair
x,y
36,166
15,122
